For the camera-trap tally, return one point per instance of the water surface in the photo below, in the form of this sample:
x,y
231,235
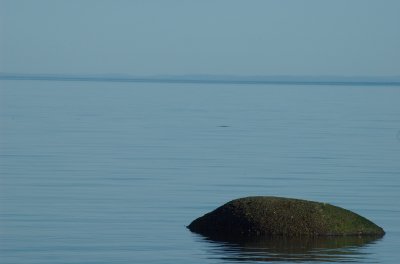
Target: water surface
x,y
102,172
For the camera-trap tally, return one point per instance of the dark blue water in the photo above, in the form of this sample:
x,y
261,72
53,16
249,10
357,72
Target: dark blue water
x,y
96,172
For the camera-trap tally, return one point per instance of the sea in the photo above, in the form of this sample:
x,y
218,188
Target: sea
x,y
113,172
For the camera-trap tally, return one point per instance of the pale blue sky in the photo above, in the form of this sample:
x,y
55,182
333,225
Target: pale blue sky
x,y
248,37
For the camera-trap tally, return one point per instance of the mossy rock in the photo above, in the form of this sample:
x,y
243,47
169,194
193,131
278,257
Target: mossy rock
x,y
268,216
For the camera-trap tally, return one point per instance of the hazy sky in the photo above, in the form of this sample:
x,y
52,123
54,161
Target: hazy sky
x,y
248,37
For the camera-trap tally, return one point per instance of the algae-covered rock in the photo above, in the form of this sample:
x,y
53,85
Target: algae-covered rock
x,y
264,216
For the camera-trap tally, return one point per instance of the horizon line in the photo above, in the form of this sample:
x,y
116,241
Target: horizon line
x,y
213,79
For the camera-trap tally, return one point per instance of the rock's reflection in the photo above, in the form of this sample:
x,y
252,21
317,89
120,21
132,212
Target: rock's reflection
x,y
330,249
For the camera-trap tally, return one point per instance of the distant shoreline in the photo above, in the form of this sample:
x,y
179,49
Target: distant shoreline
x,y
277,80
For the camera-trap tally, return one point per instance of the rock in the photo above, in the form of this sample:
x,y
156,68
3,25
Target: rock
x,y
268,216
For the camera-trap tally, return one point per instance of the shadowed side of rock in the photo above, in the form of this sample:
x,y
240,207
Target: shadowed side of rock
x,y
263,215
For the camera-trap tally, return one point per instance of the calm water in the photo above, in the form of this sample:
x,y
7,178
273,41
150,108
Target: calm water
x,y
97,172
